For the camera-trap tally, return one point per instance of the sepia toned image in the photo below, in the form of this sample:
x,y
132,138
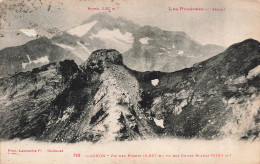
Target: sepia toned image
x,y
120,81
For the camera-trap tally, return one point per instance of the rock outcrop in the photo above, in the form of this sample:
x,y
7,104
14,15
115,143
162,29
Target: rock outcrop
x,y
62,103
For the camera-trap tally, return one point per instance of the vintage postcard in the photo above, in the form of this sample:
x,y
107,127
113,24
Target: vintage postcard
x,y
129,81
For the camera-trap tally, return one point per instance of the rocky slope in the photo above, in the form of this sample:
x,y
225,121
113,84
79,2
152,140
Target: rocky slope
x,y
26,96
103,100
33,54
213,99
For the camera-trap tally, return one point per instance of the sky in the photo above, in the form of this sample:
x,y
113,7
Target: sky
x,y
238,21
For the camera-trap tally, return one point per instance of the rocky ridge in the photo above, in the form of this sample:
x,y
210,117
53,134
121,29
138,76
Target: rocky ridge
x,y
103,100
99,100
33,54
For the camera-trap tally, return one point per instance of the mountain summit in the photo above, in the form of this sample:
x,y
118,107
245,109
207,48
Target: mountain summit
x,y
102,59
144,48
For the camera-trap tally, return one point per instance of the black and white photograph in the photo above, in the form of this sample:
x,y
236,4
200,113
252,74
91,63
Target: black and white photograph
x,y
127,81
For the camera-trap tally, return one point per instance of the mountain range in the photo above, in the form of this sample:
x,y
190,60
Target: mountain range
x,y
145,48
33,54
103,100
